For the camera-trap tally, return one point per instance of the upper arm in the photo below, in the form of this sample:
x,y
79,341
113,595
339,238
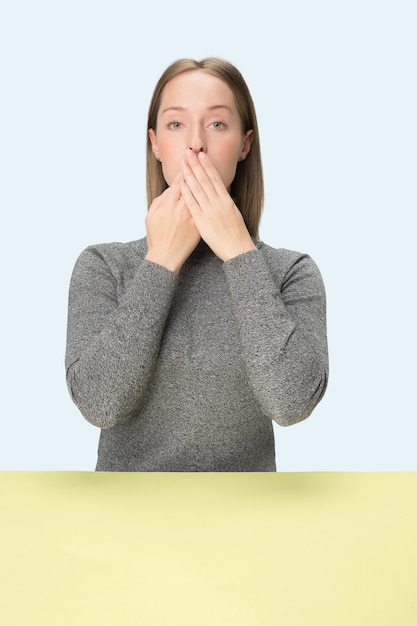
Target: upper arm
x,y
92,300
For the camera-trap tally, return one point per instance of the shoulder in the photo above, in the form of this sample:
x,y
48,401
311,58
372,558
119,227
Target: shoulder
x,y
114,257
283,263
116,251
295,273
279,255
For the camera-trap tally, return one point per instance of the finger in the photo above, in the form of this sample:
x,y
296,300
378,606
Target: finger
x,y
156,202
189,199
212,173
178,177
196,178
171,193
204,170
174,189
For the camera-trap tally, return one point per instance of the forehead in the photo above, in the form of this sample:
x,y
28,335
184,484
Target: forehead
x,y
196,88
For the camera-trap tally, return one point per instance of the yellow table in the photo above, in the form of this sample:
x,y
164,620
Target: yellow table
x,y
296,549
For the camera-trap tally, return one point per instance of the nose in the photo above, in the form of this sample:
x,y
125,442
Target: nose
x,y
197,141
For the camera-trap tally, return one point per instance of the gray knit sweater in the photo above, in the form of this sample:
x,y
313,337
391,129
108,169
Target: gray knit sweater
x,y
185,373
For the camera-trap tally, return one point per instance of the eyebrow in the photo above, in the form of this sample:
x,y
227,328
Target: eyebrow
x,y
211,108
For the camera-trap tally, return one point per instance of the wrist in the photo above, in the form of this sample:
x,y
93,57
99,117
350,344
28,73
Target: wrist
x,y
168,263
238,250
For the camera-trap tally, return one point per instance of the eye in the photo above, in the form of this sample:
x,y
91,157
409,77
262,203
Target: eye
x,y
218,125
174,125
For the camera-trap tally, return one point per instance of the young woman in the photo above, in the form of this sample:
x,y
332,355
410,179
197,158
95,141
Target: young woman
x,y
183,346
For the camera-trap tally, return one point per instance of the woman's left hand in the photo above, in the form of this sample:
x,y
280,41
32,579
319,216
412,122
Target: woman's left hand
x,y
215,215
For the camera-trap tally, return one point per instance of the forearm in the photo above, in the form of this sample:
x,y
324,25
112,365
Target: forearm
x,y
283,342
113,342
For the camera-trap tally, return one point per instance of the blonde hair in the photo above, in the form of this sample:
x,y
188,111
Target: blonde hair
x,y
247,188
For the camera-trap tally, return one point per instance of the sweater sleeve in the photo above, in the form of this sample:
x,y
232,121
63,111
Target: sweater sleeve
x,y
283,333
112,340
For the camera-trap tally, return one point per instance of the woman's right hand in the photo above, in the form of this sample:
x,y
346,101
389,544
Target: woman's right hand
x,y
170,229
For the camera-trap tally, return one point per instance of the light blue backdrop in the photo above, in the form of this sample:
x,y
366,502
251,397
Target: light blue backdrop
x,y
334,84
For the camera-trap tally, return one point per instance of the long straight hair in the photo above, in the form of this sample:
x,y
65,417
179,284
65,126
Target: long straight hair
x,y
247,188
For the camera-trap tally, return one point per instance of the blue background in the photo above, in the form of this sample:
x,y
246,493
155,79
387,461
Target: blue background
x,y
334,84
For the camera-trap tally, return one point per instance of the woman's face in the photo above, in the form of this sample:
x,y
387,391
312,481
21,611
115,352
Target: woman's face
x,y
198,111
